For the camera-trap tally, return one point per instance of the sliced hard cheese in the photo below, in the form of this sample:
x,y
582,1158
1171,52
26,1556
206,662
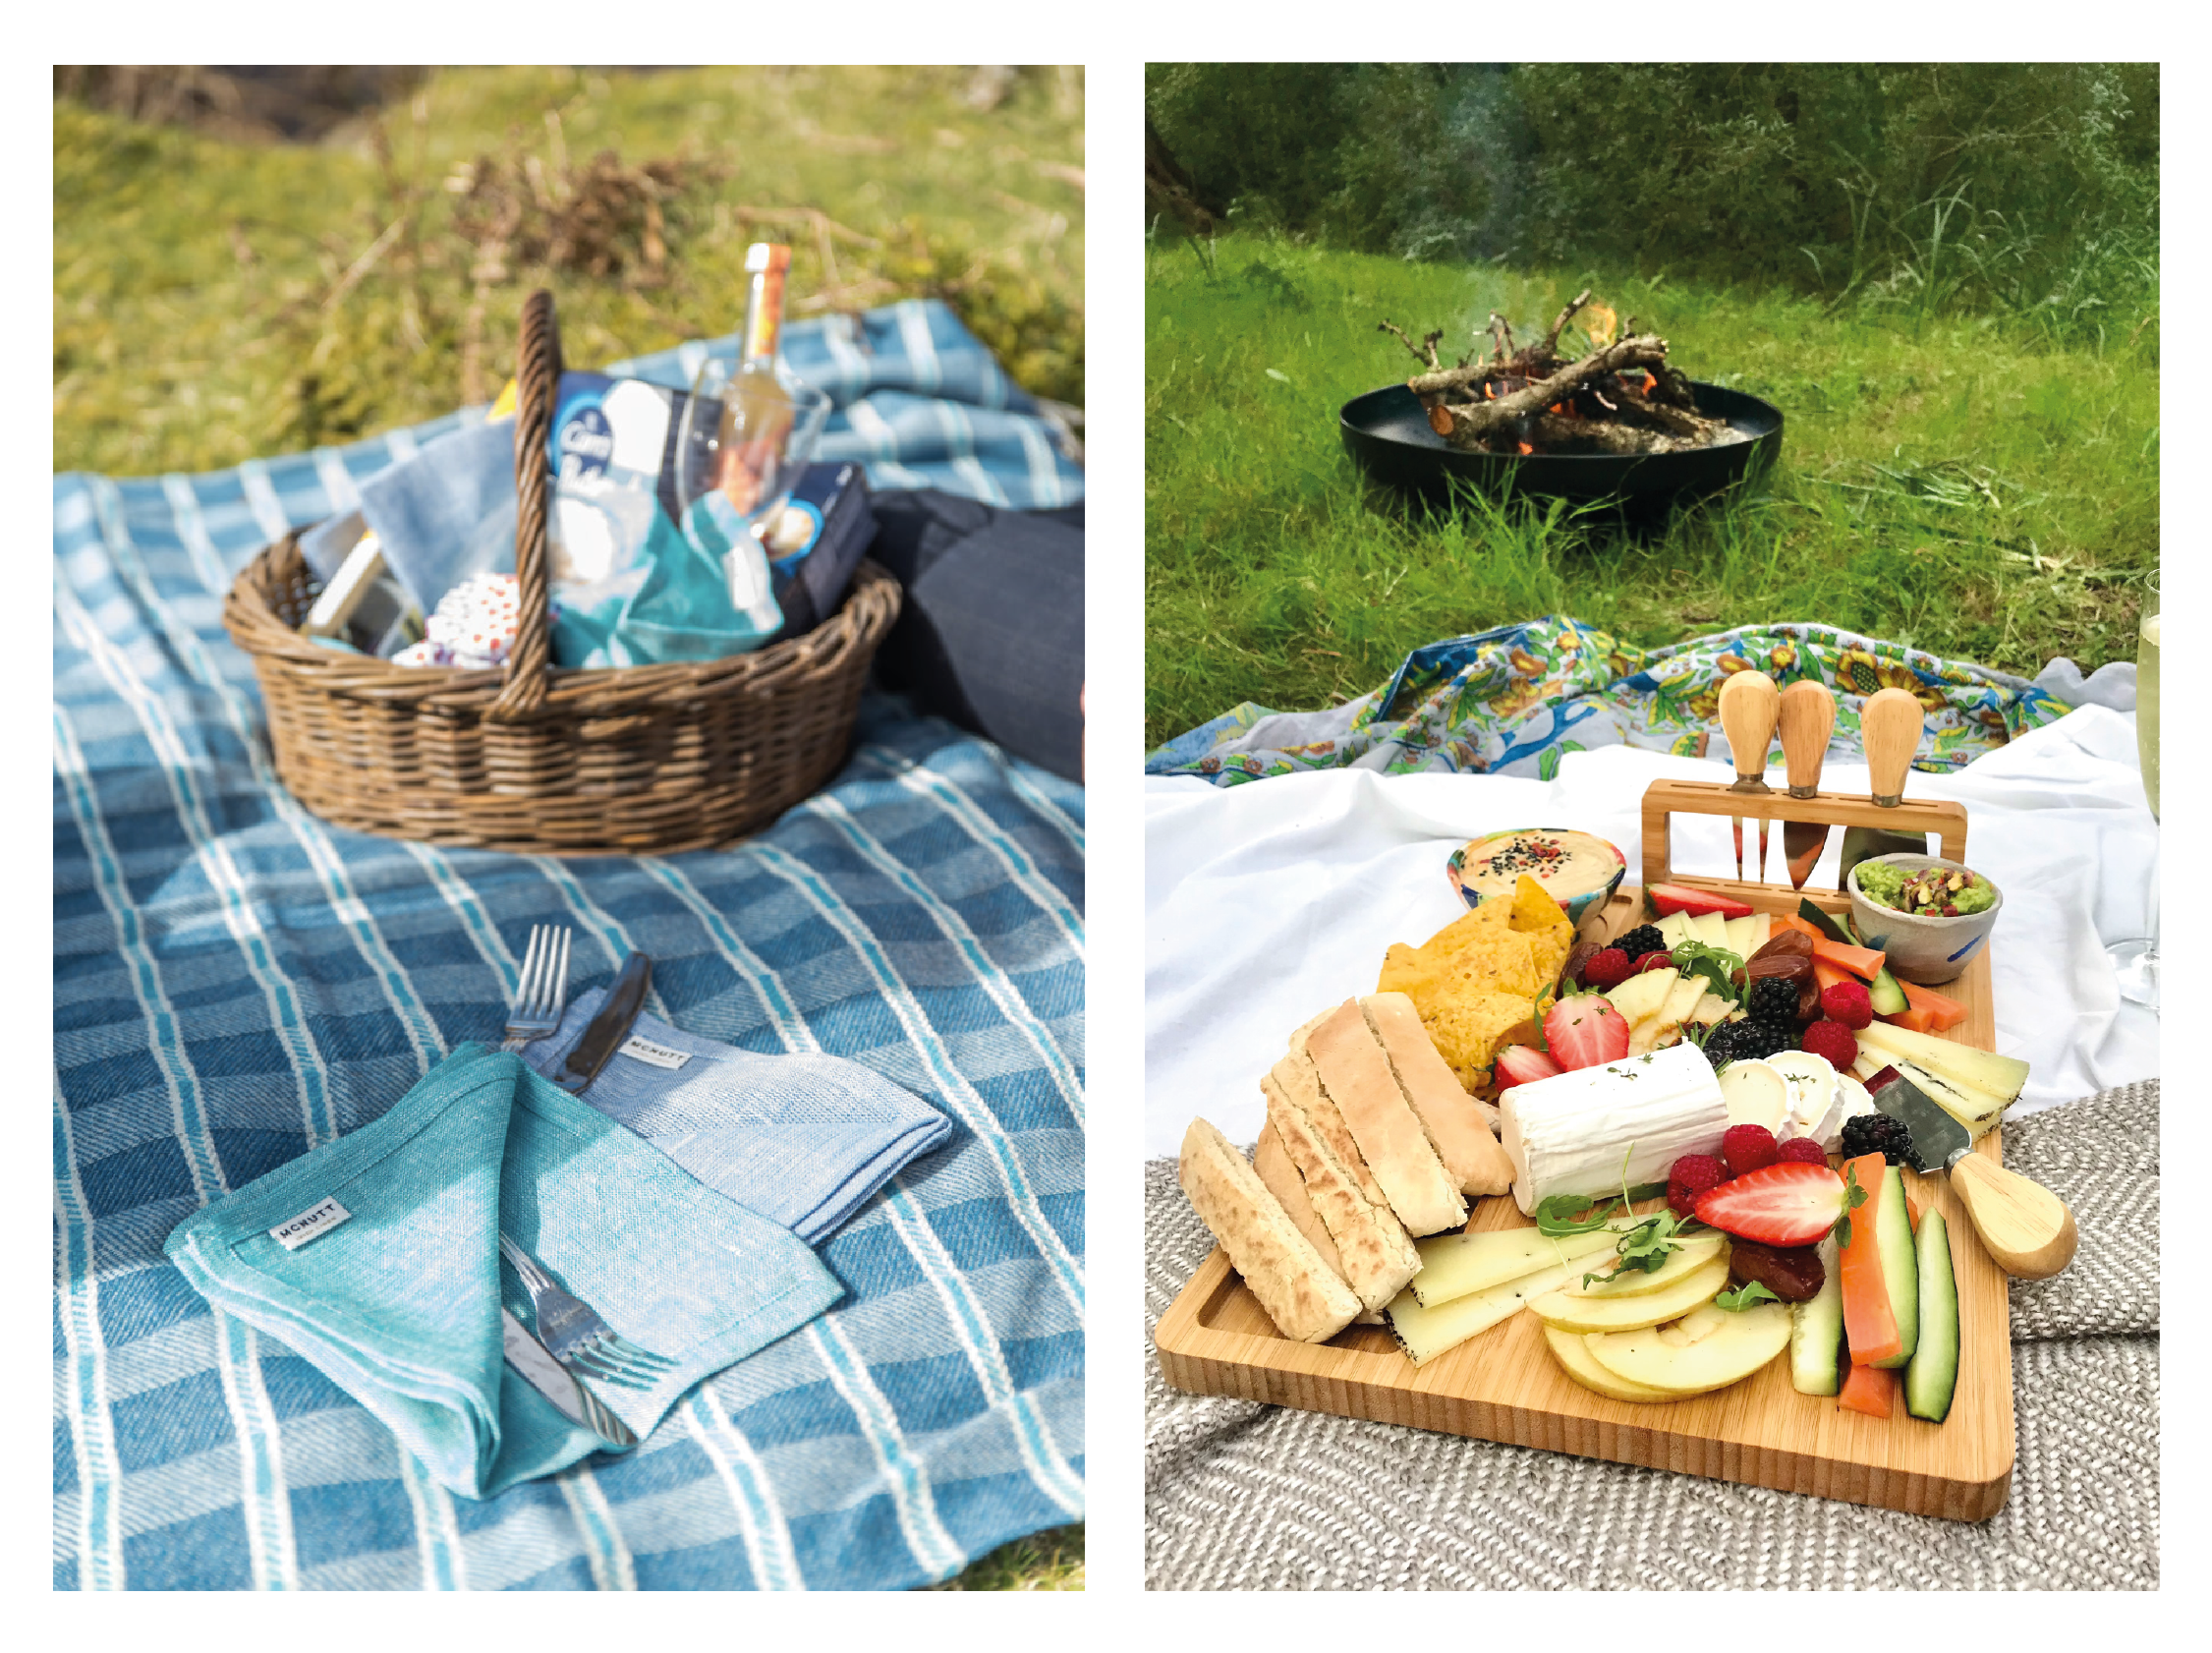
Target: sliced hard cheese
x,y
1740,935
1570,1133
1457,1128
1457,1265
1762,932
1376,1258
1297,1290
1757,1094
1425,1333
1357,1077
2002,1077
1675,928
1298,1081
1711,928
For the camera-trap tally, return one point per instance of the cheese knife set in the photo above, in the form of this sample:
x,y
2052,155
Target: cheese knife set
x,y
1703,1175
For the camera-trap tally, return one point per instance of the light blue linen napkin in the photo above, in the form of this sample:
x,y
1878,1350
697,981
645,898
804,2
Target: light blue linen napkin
x,y
397,1300
802,1138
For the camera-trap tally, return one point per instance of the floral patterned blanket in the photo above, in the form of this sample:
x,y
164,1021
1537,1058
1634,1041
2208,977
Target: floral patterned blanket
x,y
1516,700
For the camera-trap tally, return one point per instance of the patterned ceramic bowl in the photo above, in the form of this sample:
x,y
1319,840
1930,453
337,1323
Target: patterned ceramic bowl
x,y
1579,870
1925,950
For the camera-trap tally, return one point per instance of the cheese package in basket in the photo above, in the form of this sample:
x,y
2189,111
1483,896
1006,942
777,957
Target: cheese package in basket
x,y
1570,1133
1299,1291
1357,1075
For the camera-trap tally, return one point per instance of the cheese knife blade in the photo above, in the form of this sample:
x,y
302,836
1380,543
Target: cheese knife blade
x,y
2026,1230
1807,716
617,1014
1889,726
1748,718
535,1364
1938,1140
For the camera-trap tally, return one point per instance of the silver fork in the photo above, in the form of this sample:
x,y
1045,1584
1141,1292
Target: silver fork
x,y
577,1334
544,989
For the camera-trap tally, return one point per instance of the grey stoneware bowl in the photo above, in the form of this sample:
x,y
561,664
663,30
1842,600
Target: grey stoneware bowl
x,y
1922,950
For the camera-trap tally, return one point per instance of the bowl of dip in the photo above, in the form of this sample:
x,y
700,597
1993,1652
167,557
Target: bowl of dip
x,y
1925,943
1579,870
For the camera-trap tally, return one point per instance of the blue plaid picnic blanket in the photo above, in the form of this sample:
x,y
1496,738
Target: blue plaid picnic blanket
x,y
235,981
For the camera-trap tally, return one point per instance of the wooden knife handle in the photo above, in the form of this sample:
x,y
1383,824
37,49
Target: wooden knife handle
x,y
2023,1226
1748,718
1807,715
1889,727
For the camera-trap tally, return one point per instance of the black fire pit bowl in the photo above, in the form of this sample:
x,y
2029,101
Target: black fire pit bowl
x,y
1387,435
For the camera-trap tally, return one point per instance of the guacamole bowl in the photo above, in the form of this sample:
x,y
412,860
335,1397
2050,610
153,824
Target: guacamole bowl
x,y
1923,950
1581,870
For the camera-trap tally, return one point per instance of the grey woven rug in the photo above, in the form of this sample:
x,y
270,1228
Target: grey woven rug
x,y
1242,1495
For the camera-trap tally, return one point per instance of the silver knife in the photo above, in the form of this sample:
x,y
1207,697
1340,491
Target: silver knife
x,y
2026,1230
527,1355
617,1014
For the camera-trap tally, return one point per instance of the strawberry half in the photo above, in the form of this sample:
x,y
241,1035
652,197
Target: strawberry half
x,y
1517,1064
1789,1203
1675,898
1584,1030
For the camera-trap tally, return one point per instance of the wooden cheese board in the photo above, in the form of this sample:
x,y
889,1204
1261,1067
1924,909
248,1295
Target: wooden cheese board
x,y
1504,1384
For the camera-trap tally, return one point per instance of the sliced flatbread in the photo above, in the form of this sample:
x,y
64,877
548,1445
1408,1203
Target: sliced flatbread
x,y
1457,1130
1294,1074
1299,1292
1375,1255
1356,1075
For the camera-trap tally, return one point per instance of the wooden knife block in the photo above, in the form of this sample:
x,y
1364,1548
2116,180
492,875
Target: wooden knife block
x,y
1666,799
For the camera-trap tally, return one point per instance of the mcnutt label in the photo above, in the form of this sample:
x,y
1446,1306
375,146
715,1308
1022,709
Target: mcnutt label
x,y
660,1056
312,1224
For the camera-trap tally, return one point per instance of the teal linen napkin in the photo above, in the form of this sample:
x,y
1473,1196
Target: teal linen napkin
x,y
398,1300
672,604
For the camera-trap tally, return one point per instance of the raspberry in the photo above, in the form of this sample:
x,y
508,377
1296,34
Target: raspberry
x,y
1849,1002
1801,1147
1748,1148
1698,1172
1832,1039
1609,967
1655,961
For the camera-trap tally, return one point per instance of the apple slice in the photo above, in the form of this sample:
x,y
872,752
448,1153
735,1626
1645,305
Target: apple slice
x,y
1706,1349
1640,996
1710,1009
1573,1351
1694,1255
1626,1314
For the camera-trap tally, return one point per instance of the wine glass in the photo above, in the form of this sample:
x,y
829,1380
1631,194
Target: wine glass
x,y
2135,962
747,434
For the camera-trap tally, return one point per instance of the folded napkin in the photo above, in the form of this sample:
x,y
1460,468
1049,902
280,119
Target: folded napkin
x,y
395,1292
802,1138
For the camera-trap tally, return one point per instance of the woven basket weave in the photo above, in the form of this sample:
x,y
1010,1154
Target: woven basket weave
x,y
635,760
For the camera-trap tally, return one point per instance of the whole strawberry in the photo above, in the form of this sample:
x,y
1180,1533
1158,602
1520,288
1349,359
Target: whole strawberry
x,y
1748,1148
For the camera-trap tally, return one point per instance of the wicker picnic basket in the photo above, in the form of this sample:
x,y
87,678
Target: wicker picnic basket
x,y
635,760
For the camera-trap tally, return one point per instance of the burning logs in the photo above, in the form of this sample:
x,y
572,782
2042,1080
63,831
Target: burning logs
x,y
1622,398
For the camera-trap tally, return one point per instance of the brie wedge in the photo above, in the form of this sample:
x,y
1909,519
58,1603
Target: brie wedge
x,y
1570,1133
1814,1100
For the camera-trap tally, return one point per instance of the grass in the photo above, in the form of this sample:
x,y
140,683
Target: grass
x,y
216,300
1954,483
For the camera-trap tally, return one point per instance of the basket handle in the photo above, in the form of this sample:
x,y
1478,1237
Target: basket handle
x,y
537,374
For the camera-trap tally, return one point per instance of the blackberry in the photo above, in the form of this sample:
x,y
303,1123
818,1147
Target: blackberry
x,y
1773,1002
1877,1133
1644,938
1727,1043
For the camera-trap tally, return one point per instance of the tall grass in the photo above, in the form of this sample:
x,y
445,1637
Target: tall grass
x,y
1952,482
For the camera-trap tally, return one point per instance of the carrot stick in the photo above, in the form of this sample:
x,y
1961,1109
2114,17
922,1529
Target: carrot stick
x,y
1829,975
1869,1390
1868,1325
1863,962
1912,1019
1944,1013
1791,920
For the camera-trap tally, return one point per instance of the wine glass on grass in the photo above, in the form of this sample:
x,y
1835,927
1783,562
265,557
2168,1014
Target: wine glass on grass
x,y
2135,962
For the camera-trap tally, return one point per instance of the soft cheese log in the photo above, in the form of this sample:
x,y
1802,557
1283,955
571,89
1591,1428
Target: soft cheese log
x,y
1298,1080
1357,1076
1376,1256
1300,1294
1455,1124
1567,1134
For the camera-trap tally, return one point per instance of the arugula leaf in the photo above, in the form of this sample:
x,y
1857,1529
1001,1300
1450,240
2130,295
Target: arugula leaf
x,y
1743,1297
1573,1214
1855,1196
1717,965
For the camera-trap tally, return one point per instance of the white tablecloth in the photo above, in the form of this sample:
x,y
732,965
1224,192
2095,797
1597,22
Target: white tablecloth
x,y
1267,901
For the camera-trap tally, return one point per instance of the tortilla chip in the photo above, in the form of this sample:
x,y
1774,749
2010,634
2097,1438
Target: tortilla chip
x,y
1546,924
1468,1029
